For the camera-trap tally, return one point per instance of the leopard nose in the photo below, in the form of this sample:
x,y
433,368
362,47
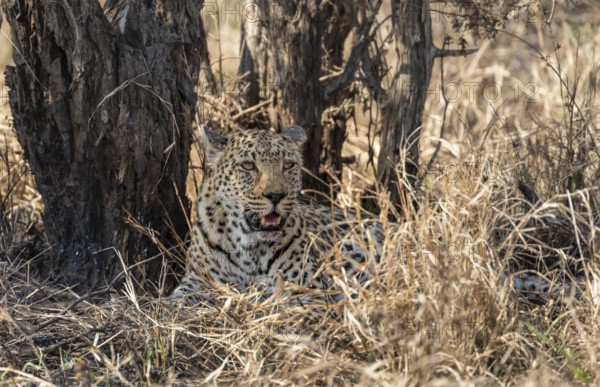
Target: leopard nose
x,y
275,197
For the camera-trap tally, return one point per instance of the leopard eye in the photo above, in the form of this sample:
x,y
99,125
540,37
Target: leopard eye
x,y
288,165
248,166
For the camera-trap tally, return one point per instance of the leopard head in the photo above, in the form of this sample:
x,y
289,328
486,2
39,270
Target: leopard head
x,y
257,175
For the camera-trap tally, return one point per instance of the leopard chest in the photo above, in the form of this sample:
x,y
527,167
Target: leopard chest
x,y
235,264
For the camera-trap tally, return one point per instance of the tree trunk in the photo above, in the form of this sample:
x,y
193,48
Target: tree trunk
x,y
402,109
285,46
293,32
103,108
337,17
252,70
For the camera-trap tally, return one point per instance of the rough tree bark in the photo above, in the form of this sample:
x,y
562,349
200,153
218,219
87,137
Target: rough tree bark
x,y
285,47
293,35
404,102
402,110
103,108
338,18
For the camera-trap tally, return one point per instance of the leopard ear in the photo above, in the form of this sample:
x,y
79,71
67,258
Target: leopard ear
x,y
295,134
213,144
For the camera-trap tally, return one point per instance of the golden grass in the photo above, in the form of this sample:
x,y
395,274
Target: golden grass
x,y
436,312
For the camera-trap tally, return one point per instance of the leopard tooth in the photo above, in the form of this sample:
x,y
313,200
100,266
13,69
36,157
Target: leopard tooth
x,y
276,221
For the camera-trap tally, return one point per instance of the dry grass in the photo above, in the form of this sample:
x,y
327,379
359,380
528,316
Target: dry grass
x,y
437,311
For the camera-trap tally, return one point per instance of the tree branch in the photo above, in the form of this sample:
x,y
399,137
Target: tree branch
x,y
551,15
363,38
442,52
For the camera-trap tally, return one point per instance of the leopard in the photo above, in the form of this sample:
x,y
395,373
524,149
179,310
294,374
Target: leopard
x,y
253,225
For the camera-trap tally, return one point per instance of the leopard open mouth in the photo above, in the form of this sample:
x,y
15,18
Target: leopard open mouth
x,y
271,222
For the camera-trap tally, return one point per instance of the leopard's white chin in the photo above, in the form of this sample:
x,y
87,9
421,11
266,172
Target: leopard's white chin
x,y
268,236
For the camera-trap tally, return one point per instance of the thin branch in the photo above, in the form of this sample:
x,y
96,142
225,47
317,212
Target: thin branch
x,y
251,109
441,52
551,15
545,59
346,76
